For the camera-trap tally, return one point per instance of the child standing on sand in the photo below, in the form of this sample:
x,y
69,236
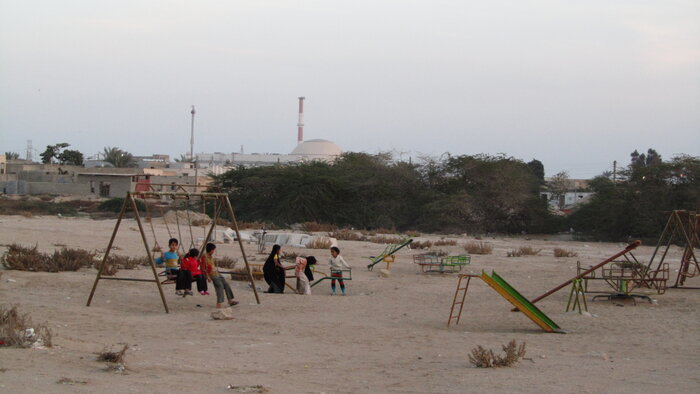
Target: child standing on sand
x,y
220,284
302,270
338,265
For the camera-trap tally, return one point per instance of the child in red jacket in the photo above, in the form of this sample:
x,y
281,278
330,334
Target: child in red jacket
x,y
189,272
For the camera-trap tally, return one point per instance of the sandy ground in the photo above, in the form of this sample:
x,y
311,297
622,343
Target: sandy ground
x,y
387,335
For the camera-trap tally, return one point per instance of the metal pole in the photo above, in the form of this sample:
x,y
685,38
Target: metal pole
x,y
229,208
148,252
192,135
109,247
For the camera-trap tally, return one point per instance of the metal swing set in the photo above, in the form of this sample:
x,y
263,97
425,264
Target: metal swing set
x,y
220,202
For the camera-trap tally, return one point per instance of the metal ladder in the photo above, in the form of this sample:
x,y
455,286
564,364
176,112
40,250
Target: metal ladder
x,y
457,314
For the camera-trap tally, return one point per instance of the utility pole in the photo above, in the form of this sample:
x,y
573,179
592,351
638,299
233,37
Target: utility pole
x,y
192,136
614,171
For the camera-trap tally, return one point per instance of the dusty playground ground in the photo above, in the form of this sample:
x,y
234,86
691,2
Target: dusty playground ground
x,y
387,335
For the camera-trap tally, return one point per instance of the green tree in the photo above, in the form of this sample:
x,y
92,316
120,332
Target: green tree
x,y
638,205
52,152
72,157
11,155
537,169
118,158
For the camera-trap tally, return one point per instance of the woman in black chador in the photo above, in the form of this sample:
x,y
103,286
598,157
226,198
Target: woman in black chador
x,y
274,271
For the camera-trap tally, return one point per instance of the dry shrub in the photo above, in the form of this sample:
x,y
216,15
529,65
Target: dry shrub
x,y
289,255
445,242
382,230
126,262
482,358
439,253
317,227
17,329
109,269
242,275
559,252
226,262
22,258
319,243
412,234
247,225
201,222
69,381
383,239
421,245
524,251
478,247
109,356
70,260
347,235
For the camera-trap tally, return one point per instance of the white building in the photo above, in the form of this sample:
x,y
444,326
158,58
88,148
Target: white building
x,y
316,149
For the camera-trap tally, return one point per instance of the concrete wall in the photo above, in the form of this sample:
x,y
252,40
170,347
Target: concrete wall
x,y
81,189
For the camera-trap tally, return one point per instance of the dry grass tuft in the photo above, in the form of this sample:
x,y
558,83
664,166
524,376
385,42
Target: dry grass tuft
x,y
559,252
482,358
70,381
70,260
347,235
319,243
201,222
226,262
17,329
242,275
311,227
289,255
126,262
384,239
524,251
478,247
113,357
445,242
22,258
412,234
421,245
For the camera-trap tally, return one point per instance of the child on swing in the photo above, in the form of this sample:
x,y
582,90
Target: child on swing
x,y
171,260
189,272
220,284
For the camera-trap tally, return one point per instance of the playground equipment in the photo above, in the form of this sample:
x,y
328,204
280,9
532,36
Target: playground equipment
x,y
506,291
388,255
433,263
344,275
220,203
578,295
624,253
684,227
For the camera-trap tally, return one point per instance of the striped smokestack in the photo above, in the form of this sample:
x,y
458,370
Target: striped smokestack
x,y
300,125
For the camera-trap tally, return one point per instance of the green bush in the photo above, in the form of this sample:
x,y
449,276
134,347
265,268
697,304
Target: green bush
x,y
115,205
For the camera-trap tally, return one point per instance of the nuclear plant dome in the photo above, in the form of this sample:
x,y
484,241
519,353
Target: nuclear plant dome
x,y
317,148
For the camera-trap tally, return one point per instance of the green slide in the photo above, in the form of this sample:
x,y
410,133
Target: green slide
x,y
525,303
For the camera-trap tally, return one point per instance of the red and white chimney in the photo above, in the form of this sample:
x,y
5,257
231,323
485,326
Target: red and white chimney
x,y
300,125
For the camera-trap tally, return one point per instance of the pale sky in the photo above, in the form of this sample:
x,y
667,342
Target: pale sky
x,y
574,84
